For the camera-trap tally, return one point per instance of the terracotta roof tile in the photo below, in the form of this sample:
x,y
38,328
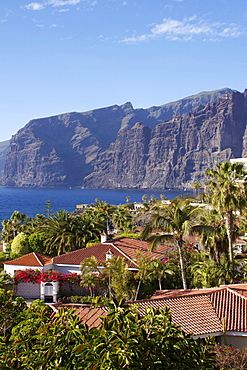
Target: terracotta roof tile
x,y
31,259
123,247
194,314
197,311
91,316
87,313
231,307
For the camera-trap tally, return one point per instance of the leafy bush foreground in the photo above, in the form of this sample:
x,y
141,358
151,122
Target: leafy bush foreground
x,y
33,338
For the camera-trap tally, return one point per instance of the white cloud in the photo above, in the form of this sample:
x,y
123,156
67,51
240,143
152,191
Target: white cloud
x,y
187,29
34,6
57,3
63,10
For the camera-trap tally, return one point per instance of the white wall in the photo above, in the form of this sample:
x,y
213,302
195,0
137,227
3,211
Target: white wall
x,y
10,269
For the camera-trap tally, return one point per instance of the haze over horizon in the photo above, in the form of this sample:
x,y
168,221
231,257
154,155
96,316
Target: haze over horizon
x,y
60,56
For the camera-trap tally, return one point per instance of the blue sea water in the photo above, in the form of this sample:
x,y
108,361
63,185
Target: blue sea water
x,y
32,201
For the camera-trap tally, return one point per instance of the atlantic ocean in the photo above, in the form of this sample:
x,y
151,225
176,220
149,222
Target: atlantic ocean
x,y
32,201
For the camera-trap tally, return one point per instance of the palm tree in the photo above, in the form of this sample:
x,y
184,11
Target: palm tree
x,y
208,273
228,191
13,226
86,227
144,198
119,277
104,211
174,221
160,270
59,236
212,233
144,265
90,281
123,220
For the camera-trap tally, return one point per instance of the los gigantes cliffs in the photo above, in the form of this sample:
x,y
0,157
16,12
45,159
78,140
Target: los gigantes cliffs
x,y
168,146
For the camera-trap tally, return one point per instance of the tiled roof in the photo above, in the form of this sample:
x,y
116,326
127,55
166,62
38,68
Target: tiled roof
x,y
197,311
194,314
87,313
123,247
31,259
229,303
91,316
231,307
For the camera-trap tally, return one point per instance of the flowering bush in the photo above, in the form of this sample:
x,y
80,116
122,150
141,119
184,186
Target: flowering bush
x,y
36,276
164,260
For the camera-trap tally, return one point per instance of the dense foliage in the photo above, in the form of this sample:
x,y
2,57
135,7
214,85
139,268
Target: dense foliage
x,y
124,340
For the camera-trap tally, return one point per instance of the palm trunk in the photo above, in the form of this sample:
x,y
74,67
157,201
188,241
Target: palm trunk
x,y
229,229
181,260
160,286
137,289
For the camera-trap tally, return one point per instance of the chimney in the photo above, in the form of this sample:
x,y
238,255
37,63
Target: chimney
x,y
103,237
108,255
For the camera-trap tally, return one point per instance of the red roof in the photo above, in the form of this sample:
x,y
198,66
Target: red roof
x,y
194,314
31,259
229,303
123,247
197,311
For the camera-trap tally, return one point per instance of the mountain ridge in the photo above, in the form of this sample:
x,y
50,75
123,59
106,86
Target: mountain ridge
x,y
120,146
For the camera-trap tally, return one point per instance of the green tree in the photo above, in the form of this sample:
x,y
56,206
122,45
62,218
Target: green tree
x,y
20,244
36,242
122,219
174,221
212,233
144,265
65,232
160,270
13,226
144,198
90,281
228,190
121,282
91,274
11,311
208,273
104,213
59,237
48,209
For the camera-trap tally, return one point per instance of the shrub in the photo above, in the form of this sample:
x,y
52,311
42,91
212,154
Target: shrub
x,y
230,358
20,244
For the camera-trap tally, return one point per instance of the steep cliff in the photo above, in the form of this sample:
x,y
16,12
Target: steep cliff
x,y
4,145
160,147
177,152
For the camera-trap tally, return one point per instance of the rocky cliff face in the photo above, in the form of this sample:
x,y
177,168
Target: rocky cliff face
x,y
161,147
4,145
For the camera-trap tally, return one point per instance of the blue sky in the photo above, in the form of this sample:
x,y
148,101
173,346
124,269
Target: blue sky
x,y
76,55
